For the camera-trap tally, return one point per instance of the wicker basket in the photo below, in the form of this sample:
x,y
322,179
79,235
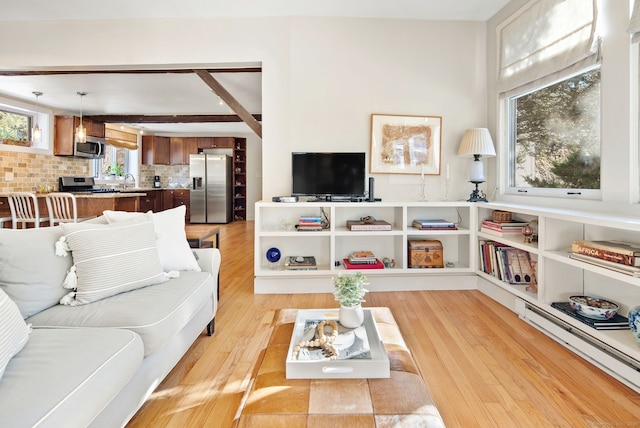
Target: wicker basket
x,y
501,216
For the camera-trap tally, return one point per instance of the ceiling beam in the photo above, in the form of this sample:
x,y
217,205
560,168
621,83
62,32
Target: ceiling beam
x,y
230,101
169,118
163,71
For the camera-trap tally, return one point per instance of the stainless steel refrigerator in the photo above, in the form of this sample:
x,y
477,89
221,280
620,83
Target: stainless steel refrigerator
x,y
211,188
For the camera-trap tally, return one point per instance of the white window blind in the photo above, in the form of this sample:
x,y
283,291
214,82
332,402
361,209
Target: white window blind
x,y
634,23
545,38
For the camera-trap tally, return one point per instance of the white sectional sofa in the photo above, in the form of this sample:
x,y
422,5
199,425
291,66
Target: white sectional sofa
x,y
94,363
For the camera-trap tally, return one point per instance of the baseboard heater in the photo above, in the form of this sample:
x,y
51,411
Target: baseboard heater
x,y
598,353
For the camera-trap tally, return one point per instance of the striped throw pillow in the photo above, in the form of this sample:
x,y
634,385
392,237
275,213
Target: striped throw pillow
x,y
14,332
110,259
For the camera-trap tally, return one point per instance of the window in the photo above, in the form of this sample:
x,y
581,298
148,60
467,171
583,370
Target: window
x,y
115,162
555,135
15,126
548,82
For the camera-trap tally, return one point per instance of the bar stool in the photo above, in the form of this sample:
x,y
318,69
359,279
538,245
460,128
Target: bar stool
x,y
63,208
24,209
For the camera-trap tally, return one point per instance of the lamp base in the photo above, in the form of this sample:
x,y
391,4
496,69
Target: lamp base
x,y
477,195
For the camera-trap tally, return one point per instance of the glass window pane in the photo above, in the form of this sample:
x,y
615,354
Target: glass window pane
x,y
555,135
15,126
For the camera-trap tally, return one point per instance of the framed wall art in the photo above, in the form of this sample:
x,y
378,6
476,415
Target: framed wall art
x,y
405,144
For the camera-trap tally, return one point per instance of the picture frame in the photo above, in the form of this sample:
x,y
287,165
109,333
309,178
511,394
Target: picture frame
x,y
405,144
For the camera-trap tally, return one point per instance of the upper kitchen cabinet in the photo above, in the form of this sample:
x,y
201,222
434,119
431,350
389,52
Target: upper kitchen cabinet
x,y
65,128
216,142
182,148
156,150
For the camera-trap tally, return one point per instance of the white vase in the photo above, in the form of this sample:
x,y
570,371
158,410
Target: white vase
x,y
351,316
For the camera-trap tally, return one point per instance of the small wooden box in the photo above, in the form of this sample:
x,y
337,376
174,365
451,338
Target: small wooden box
x,y
426,253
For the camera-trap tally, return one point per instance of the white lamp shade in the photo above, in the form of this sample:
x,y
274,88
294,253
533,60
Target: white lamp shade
x,y
476,141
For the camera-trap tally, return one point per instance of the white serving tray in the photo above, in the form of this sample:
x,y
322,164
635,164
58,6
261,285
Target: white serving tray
x,y
375,367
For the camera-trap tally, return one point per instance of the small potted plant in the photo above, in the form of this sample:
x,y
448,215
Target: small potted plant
x,y
349,290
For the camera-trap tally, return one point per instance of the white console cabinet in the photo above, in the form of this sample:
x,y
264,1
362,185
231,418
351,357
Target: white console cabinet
x,y
275,227
560,277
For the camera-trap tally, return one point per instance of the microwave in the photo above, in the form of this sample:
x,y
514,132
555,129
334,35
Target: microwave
x,y
93,148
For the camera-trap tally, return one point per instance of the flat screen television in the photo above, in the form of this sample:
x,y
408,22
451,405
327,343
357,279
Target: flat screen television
x,y
337,174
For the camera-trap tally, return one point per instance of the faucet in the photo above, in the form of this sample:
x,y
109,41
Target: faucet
x,y
126,176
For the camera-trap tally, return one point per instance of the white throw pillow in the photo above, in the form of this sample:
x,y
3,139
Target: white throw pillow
x,y
14,332
171,238
110,259
30,273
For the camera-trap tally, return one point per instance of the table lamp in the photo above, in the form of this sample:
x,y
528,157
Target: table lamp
x,y
476,142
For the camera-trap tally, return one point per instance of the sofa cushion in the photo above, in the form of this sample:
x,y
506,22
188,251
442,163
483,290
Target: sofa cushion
x,y
111,258
171,238
156,313
14,332
30,272
66,377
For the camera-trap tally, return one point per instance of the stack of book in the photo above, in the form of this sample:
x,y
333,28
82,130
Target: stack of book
x,y
433,224
508,228
506,263
623,257
300,263
616,323
362,260
309,223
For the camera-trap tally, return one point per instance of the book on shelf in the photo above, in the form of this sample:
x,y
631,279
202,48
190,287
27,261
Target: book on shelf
x,y
300,263
302,228
433,224
377,265
613,251
507,225
617,267
616,323
517,265
368,226
506,232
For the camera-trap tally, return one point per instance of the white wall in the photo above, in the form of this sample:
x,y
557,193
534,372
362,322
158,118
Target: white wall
x,y
322,77
619,179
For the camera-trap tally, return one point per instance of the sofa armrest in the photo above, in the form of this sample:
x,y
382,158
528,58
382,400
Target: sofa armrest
x,y
209,259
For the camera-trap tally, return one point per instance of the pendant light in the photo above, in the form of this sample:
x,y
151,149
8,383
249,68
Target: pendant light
x,y
36,133
81,132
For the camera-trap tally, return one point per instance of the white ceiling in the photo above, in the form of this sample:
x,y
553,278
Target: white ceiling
x,y
466,10
187,93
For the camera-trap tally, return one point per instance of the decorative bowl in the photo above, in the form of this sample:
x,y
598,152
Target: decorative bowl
x,y
593,307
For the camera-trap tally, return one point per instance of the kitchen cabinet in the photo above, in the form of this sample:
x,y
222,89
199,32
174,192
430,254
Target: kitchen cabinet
x,y
156,150
152,201
182,148
216,142
64,132
174,198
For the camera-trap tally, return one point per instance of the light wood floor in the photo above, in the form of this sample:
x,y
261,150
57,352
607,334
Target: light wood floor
x,y
483,366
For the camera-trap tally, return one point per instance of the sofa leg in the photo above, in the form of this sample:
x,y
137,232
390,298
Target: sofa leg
x,y
211,327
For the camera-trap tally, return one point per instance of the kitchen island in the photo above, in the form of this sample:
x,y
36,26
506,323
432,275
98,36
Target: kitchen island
x,y
89,204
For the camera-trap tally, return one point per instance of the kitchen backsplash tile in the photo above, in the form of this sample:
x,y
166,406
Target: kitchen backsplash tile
x,y
167,173
31,170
